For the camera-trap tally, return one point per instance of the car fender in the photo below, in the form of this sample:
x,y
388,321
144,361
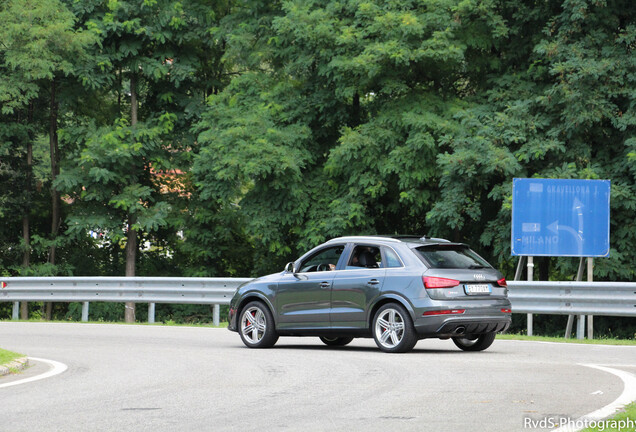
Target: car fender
x,y
390,296
254,294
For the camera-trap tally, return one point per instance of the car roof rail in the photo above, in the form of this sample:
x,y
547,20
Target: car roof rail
x,y
435,239
399,238
406,236
419,237
363,238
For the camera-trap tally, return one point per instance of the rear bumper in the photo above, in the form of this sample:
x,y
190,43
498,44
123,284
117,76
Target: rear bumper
x,y
478,316
445,326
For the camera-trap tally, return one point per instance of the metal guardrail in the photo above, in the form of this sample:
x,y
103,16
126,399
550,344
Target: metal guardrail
x,y
213,291
573,298
561,298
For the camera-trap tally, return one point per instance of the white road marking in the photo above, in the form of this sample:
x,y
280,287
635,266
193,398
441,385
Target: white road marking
x,y
570,344
628,396
597,392
57,368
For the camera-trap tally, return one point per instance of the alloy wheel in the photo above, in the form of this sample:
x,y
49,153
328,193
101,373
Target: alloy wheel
x,y
253,325
389,327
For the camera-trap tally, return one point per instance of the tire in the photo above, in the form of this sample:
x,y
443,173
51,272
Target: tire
x,y
479,343
393,329
256,326
336,341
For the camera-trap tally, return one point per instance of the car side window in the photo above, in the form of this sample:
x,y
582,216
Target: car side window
x,y
323,260
364,257
392,260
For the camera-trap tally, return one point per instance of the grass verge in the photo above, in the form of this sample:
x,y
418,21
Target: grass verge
x,y
8,356
167,323
622,422
563,340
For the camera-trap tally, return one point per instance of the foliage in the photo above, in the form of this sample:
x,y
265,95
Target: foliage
x,y
265,128
38,44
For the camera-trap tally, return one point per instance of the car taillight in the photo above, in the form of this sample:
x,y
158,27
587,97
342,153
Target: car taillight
x,y
502,282
438,282
445,312
504,310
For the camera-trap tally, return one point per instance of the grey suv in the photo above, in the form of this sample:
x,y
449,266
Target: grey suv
x,y
395,289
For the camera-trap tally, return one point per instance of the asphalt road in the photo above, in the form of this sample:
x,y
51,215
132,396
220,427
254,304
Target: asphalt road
x,y
141,378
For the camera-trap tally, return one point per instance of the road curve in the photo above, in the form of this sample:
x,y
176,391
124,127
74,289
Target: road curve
x,y
147,378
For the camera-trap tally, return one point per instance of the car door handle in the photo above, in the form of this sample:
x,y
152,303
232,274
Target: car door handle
x,y
373,282
325,284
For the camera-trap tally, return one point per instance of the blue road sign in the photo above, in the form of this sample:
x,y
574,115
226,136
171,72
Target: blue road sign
x,y
560,217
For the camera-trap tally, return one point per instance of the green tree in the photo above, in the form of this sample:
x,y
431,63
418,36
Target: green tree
x,y
126,169
38,44
559,104
333,125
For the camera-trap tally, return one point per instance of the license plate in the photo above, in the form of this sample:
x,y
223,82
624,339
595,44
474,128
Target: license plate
x,y
473,289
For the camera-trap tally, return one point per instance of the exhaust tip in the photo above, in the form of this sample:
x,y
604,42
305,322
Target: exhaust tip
x,y
460,330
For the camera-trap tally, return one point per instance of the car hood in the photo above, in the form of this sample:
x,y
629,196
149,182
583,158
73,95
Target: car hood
x,y
267,278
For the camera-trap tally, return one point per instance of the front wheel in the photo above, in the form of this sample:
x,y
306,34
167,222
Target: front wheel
x,y
256,326
336,341
393,329
478,343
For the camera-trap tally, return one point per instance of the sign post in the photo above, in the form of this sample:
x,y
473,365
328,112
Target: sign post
x,y
590,318
530,273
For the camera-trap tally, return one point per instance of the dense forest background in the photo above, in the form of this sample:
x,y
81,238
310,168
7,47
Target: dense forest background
x,y
199,138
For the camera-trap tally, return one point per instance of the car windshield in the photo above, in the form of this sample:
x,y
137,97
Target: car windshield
x,y
451,256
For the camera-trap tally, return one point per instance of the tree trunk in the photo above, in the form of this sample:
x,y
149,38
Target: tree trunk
x,y
55,196
133,100
131,239
356,116
26,256
26,236
54,150
131,257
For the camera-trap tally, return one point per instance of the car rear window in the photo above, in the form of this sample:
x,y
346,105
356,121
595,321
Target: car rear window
x,y
451,256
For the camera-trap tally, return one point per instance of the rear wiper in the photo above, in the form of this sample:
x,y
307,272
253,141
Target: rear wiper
x,y
477,267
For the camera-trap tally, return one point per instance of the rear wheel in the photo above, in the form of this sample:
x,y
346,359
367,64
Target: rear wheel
x,y
336,341
393,329
476,343
256,326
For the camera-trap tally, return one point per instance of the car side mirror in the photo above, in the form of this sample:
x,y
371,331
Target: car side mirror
x,y
289,268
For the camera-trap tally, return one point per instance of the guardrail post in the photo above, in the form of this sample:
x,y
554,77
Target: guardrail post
x,y
530,270
85,312
580,327
151,313
16,311
215,315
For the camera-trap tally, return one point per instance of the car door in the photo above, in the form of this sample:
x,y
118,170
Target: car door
x,y
355,286
303,299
